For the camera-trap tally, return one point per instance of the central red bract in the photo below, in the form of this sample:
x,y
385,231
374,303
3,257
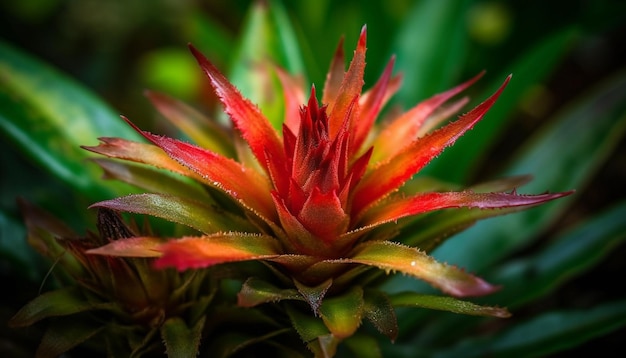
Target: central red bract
x,y
312,189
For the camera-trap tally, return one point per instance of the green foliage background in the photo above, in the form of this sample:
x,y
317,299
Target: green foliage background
x,y
562,119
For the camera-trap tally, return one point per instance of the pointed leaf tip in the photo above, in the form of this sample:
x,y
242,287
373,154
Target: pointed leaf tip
x,y
247,117
363,36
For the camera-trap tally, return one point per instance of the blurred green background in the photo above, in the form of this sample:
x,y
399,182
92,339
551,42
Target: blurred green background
x,y
558,52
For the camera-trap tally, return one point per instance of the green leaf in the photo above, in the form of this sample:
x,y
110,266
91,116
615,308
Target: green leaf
x,y
570,254
545,334
526,279
308,327
255,292
202,130
532,68
206,219
62,302
597,123
379,311
267,39
343,314
363,346
180,340
445,303
314,296
153,180
63,335
390,256
48,116
428,46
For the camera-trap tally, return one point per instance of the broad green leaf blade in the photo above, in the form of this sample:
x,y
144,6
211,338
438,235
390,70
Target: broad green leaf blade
x,y
63,335
530,70
181,340
343,314
571,254
445,303
597,122
48,117
195,214
429,46
545,334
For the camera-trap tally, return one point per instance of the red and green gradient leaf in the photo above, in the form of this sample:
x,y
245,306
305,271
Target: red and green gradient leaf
x,y
204,251
390,256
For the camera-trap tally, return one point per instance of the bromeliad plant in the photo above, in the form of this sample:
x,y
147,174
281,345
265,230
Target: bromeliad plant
x,y
325,204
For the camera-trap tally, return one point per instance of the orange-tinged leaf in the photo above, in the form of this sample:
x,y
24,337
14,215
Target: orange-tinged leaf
x,y
390,256
390,175
294,98
204,132
245,185
334,76
350,88
204,251
140,246
153,179
370,105
422,203
254,127
404,129
138,152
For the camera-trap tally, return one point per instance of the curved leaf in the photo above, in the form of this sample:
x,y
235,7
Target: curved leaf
x,y
390,256
48,116
62,302
204,218
205,251
428,46
445,303
531,68
597,122
570,254
255,292
267,38
545,334
152,179
391,174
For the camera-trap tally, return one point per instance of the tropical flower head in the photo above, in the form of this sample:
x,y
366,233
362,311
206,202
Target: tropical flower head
x,y
321,202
